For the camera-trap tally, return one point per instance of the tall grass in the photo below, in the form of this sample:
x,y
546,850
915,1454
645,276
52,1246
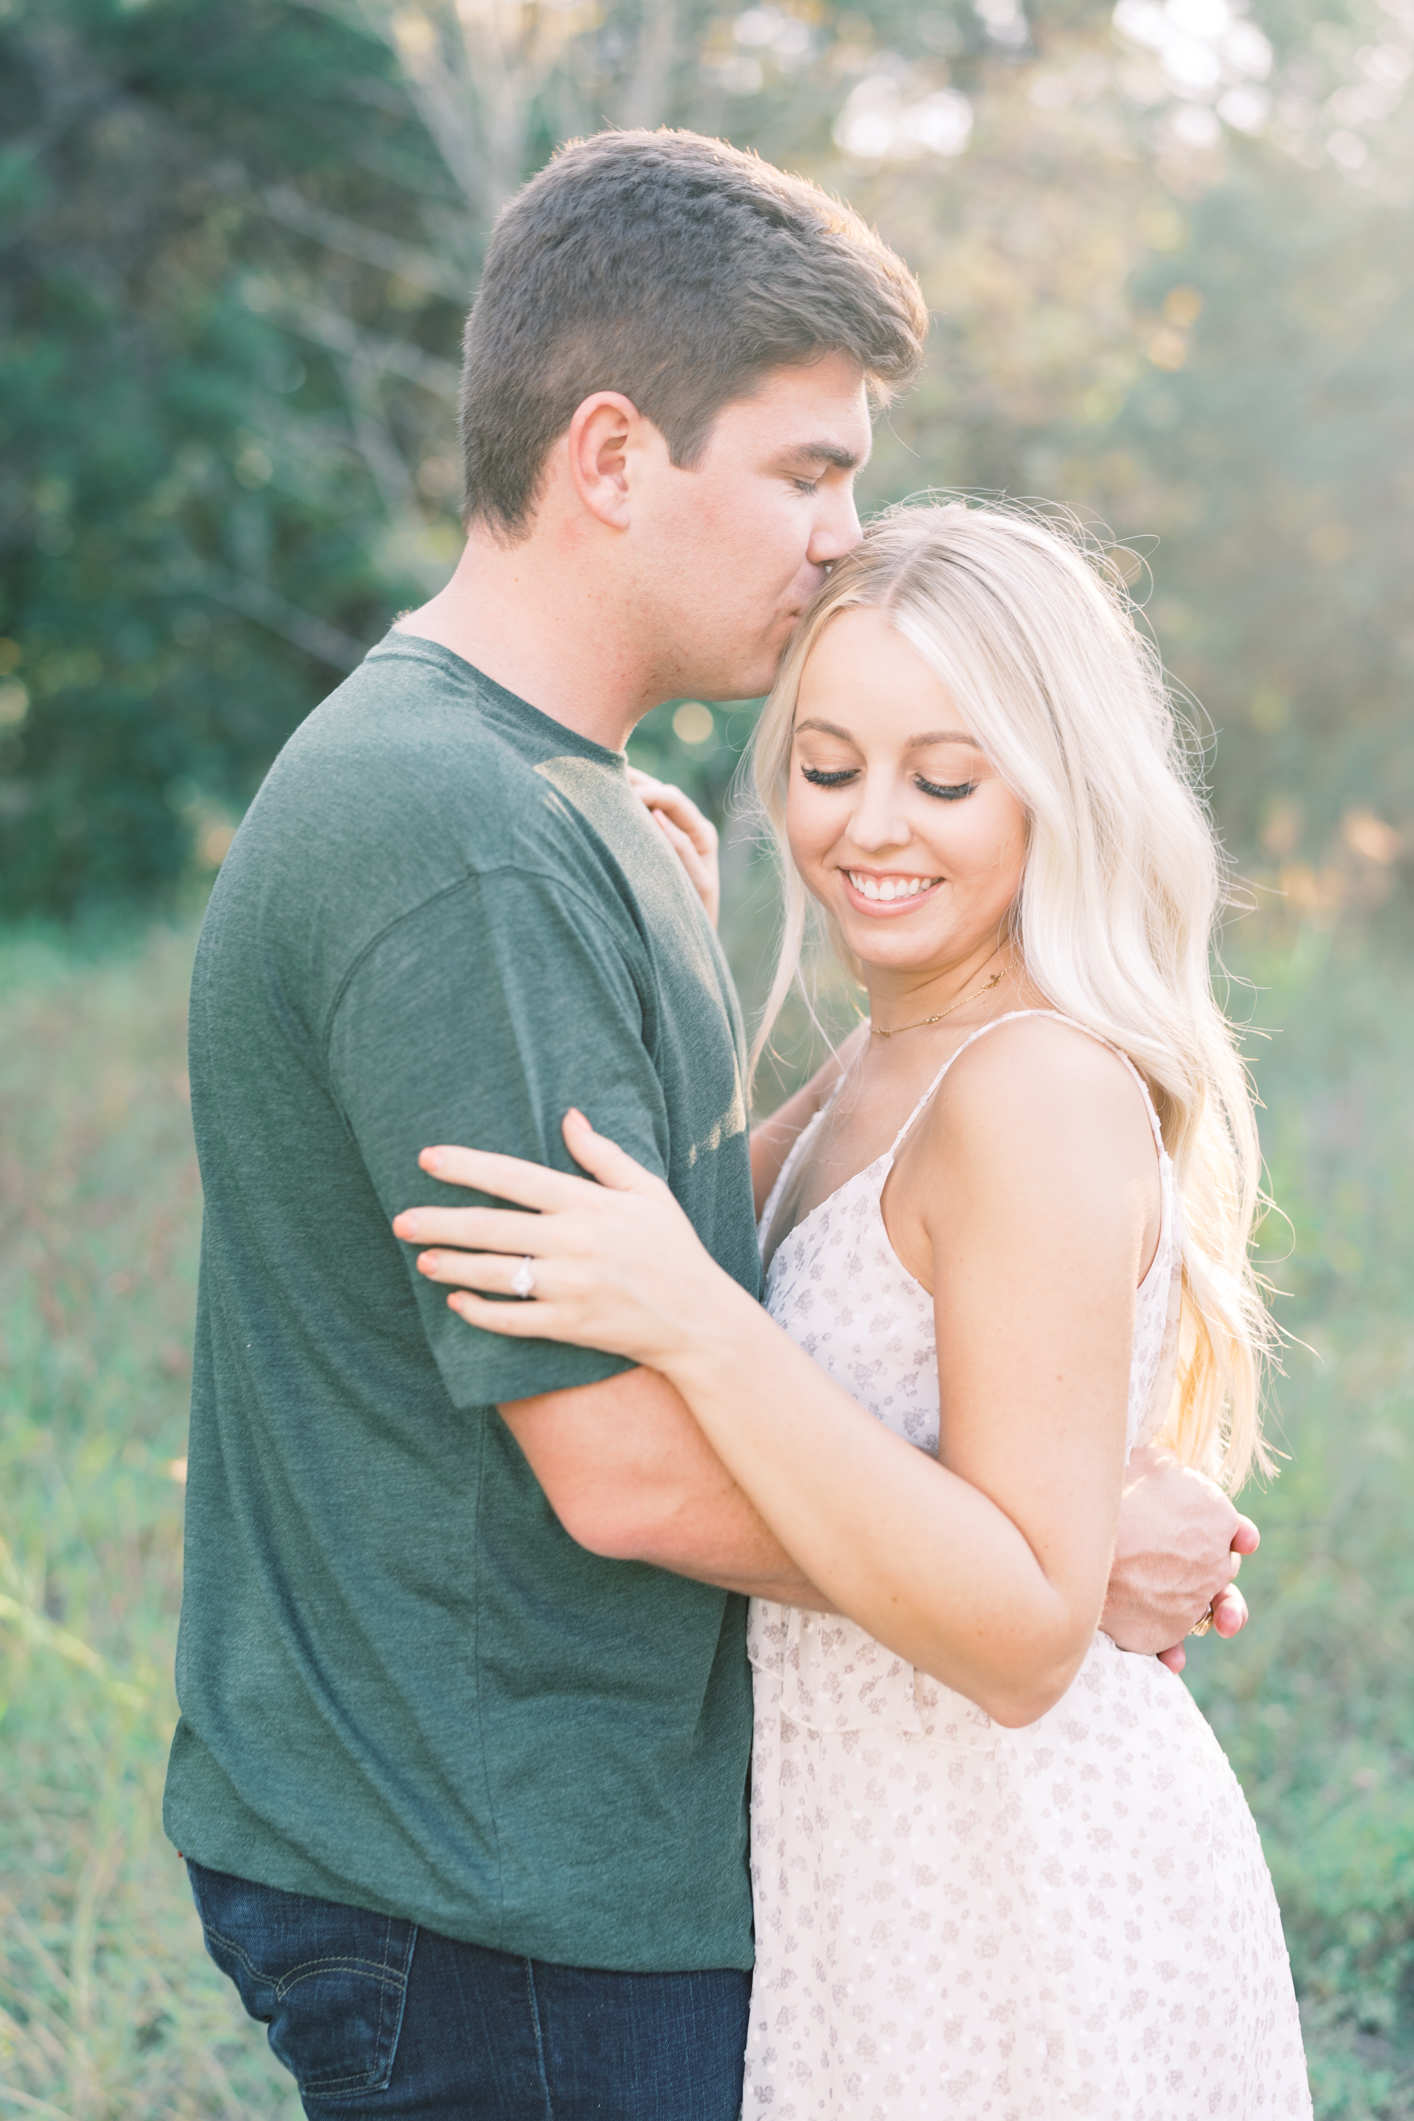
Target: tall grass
x,y
108,2006
1315,1701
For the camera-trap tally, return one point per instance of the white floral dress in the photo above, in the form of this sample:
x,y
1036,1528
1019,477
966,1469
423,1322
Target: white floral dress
x,y
960,1922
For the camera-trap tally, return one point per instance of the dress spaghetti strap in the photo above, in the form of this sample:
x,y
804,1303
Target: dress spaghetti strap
x,y
1011,1017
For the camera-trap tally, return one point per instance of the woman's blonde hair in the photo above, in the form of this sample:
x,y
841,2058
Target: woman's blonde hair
x,y
1122,885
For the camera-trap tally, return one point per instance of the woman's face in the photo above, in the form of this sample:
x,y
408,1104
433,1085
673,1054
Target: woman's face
x,y
897,822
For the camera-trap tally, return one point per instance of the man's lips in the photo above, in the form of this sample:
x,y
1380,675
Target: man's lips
x,y
887,892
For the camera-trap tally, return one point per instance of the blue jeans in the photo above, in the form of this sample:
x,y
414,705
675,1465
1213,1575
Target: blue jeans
x,y
374,2016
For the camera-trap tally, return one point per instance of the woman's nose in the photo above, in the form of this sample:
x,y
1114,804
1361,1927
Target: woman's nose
x,y
876,823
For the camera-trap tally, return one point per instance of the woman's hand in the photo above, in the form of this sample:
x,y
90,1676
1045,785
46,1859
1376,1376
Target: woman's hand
x,y
614,1265
692,837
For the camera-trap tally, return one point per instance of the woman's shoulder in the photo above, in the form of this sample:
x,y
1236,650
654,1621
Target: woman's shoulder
x,y
1035,1077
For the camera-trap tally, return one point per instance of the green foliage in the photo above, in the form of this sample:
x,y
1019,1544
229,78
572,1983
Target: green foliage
x,y
238,237
1278,461
108,2006
1314,1703
191,542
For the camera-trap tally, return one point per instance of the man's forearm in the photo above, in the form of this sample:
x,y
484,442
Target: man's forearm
x,y
630,1476
786,1587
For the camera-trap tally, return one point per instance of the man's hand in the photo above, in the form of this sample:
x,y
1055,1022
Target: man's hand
x,y
1178,1547
692,837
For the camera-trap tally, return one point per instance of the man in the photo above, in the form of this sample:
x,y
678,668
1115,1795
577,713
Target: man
x,y
461,1768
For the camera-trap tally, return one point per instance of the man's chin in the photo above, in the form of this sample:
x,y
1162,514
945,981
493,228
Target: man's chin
x,y
751,681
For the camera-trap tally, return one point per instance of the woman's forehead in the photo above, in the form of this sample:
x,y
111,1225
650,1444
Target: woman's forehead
x,y
818,724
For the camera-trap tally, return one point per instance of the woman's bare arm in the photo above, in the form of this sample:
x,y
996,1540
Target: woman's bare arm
x,y
993,1581
988,1567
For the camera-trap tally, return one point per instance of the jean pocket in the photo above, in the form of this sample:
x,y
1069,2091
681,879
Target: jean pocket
x,y
329,1982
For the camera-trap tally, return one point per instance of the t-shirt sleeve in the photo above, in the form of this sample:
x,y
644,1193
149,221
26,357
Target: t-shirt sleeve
x,y
480,1019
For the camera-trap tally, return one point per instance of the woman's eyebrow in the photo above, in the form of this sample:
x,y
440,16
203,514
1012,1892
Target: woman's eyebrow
x,y
915,743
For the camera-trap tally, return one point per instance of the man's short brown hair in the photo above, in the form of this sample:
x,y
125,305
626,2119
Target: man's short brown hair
x,y
679,271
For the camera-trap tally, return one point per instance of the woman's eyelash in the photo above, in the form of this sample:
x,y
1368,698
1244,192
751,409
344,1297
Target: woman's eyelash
x,y
819,777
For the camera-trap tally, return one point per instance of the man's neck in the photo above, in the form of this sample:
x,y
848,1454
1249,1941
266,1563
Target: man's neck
x,y
533,617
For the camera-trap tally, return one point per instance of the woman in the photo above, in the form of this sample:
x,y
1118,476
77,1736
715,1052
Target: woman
x,y
1001,1868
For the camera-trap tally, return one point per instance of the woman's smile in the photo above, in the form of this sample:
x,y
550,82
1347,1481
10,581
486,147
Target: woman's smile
x,y
887,893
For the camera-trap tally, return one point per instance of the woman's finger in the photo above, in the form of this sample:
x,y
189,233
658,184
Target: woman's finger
x,y
700,866
471,1229
690,857
684,813
504,1177
676,803
495,1273
530,1321
605,1160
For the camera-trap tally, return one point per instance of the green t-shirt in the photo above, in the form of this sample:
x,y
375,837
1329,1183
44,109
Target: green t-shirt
x,y
446,918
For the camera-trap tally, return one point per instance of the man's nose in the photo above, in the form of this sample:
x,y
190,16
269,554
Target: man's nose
x,y
837,529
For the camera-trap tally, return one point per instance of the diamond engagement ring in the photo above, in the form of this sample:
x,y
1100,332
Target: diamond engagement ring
x,y
1201,1627
523,1285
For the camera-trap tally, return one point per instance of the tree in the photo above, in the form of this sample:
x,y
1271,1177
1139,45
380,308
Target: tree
x,y
196,522
1166,249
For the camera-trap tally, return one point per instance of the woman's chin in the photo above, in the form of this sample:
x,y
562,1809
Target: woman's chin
x,y
897,951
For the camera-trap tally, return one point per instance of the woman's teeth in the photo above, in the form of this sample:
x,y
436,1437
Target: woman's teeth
x,y
889,887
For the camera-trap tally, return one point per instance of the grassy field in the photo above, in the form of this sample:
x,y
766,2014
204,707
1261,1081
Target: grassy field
x,y
108,2006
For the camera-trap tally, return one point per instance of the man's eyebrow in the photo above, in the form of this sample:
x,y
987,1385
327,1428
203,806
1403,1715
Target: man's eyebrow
x,y
832,453
915,743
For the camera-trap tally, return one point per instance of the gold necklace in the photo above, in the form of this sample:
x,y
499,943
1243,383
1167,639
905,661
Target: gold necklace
x,y
924,1021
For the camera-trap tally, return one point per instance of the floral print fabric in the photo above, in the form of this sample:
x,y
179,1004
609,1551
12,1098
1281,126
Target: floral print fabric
x,y
957,1921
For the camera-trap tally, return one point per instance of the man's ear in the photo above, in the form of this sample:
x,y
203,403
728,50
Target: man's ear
x,y
601,441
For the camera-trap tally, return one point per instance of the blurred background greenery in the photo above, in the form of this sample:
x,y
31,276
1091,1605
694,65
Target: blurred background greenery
x,y
1170,249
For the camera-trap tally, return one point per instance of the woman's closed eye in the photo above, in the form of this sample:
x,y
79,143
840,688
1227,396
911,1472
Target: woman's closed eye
x,y
841,776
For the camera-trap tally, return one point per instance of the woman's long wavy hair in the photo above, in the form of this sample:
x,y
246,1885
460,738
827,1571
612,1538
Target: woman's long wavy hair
x,y
1122,885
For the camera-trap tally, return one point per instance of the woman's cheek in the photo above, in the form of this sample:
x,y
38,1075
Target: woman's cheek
x,y
809,838
990,839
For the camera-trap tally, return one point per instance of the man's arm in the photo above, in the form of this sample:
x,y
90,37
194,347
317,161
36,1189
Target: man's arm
x,y
631,1477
